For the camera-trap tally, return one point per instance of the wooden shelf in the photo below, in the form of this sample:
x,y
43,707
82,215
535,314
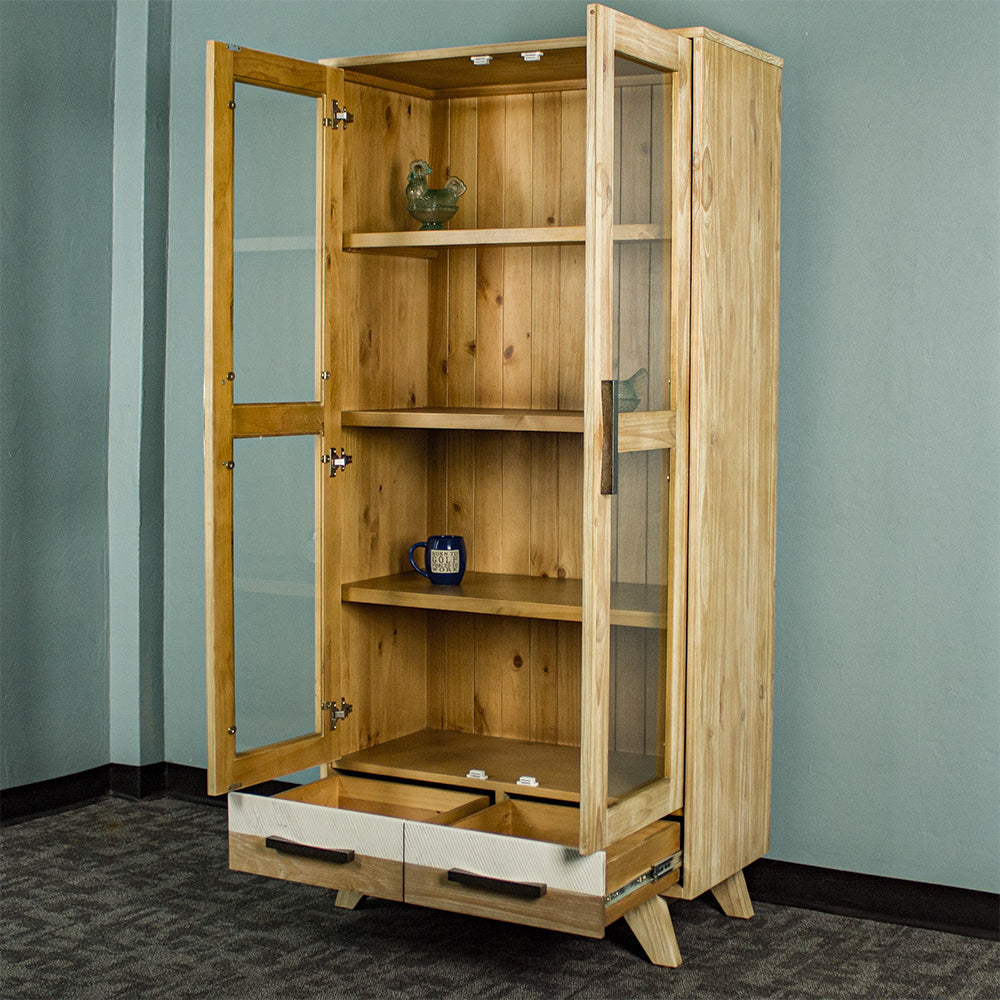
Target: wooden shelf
x,y
468,419
447,757
423,242
635,604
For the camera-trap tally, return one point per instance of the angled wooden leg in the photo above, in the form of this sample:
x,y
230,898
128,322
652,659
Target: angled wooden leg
x,y
347,899
653,928
733,897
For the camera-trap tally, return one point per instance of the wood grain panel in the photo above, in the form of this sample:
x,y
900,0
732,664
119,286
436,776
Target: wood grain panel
x,y
654,930
274,419
596,366
512,596
367,875
513,859
556,910
218,395
433,755
734,353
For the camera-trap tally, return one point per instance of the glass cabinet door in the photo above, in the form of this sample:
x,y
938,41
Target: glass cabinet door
x,y
639,149
272,170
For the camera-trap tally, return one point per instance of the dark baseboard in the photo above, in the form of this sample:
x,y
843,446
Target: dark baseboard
x,y
875,897
124,780
133,782
72,790
872,897
54,795
191,785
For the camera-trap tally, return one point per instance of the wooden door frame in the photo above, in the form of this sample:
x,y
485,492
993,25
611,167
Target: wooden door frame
x,y
226,421
608,32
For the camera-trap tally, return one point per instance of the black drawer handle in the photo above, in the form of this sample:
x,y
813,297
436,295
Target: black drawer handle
x,y
336,857
523,890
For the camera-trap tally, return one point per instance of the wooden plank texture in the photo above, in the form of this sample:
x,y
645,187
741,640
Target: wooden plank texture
x,y
514,595
734,363
654,930
597,366
558,910
469,418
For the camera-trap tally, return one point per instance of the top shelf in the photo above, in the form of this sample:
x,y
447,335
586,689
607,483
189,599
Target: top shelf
x,y
428,241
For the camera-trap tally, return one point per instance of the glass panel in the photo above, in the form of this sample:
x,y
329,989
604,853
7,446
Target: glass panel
x,y
641,366
276,244
638,654
275,592
642,231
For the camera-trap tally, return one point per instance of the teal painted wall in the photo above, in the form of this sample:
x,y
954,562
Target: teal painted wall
x,y
138,346
56,117
887,672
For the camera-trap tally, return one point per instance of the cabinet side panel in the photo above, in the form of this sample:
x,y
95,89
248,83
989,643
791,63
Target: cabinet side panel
x,y
734,371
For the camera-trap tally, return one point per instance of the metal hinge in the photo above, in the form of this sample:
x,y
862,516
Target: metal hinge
x,y
654,874
338,115
337,712
337,462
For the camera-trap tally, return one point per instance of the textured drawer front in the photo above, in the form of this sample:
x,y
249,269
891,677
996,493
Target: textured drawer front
x,y
377,842
504,870
498,856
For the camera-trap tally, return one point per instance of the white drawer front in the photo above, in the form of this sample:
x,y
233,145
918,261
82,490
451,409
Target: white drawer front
x,y
317,826
513,859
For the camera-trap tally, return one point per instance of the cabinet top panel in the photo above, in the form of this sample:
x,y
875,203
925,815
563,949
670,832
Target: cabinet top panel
x,y
508,67
732,43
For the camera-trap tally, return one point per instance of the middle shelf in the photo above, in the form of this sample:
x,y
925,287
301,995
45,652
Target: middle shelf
x,y
511,595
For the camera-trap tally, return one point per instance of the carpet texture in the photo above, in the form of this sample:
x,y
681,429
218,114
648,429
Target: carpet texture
x,y
134,900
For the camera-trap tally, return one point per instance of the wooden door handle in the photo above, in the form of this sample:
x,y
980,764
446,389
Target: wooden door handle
x,y
523,890
335,856
609,445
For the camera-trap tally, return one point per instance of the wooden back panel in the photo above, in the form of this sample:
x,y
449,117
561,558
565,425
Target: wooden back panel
x,y
486,327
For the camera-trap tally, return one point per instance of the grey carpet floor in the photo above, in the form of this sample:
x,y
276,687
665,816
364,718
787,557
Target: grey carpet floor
x,y
134,900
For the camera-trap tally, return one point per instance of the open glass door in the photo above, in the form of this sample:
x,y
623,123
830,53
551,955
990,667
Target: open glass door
x,y
272,171
638,232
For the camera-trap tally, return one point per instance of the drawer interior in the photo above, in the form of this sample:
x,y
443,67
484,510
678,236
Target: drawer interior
x,y
625,859
420,803
529,819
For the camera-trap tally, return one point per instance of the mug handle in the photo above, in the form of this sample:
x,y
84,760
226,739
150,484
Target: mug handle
x,y
413,548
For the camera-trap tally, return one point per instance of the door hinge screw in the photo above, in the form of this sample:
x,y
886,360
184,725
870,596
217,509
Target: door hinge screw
x,y
337,462
338,115
337,712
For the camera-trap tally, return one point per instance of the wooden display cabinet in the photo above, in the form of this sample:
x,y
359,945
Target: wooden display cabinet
x,y
578,375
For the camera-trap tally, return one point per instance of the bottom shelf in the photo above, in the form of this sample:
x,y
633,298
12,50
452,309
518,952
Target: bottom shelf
x,y
447,757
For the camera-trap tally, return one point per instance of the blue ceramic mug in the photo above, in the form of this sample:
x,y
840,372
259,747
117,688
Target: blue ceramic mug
x,y
444,557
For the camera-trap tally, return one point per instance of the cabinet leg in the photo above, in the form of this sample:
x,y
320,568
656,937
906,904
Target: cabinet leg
x,y
347,899
653,928
733,897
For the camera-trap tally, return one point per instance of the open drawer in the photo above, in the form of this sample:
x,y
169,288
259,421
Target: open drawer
x,y
518,861
343,832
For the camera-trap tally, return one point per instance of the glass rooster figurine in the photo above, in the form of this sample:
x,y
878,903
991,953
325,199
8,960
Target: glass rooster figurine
x,y
431,206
